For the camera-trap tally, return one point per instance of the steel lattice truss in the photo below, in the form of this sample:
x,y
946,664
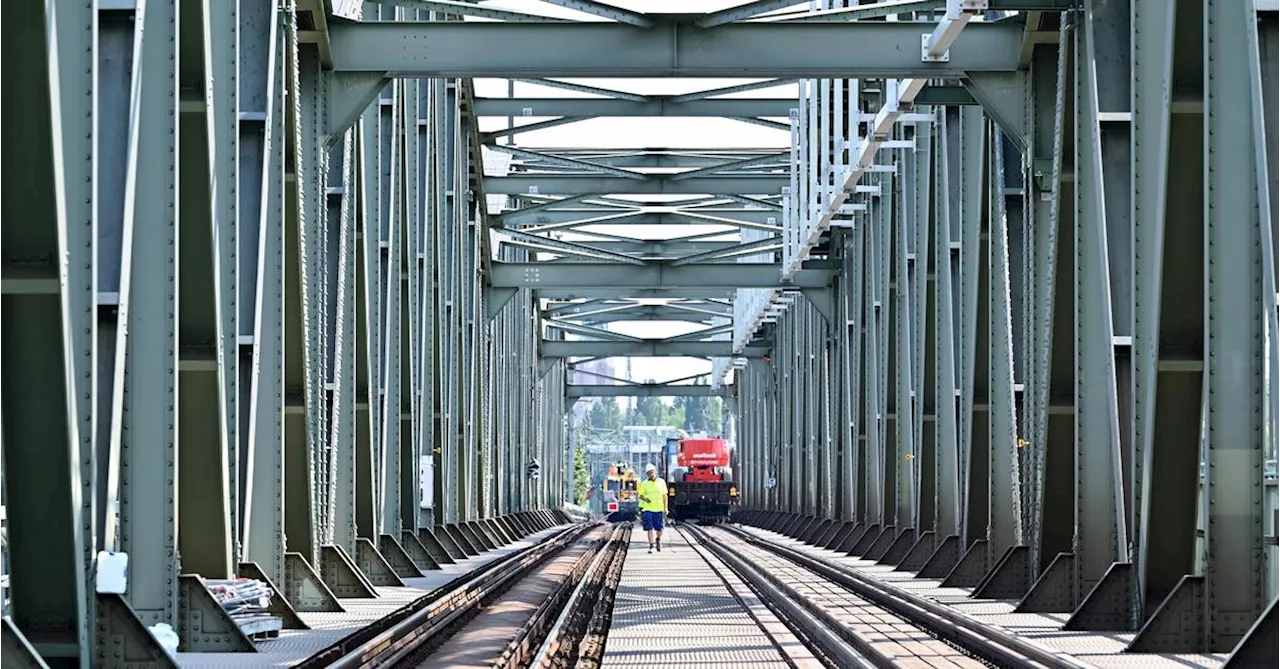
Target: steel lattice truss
x,y
278,297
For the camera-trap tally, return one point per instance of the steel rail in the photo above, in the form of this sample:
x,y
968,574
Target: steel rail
x,y
411,632
990,643
520,648
554,639
322,657
813,626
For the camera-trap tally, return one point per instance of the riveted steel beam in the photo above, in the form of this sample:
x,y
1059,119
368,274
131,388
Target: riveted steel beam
x,y
669,49
610,275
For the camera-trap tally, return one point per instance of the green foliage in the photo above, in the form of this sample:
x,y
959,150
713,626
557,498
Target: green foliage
x,y
605,414
648,411
581,476
702,414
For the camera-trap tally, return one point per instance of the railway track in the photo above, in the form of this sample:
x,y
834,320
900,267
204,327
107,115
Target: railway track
x,y
851,620
556,578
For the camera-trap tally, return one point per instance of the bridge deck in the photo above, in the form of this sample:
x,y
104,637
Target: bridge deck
x,y
294,646
1101,649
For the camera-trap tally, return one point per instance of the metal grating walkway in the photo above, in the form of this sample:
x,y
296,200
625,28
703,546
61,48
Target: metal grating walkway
x,y
673,610
294,646
1104,650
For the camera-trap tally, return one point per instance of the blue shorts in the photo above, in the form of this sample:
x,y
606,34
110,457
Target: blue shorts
x,y
652,520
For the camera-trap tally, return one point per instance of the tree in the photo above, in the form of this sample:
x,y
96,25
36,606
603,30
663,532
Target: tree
x,y
581,476
649,411
705,414
605,414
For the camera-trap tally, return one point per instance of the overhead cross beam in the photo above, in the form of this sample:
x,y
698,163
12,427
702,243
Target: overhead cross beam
x,y
639,312
647,349
578,184
549,215
672,48
663,106
645,390
650,276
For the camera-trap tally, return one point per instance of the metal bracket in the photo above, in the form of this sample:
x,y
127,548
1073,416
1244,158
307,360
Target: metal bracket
x,y
944,559
1055,590
495,299
279,603
865,541
435,547
899,548
417,552
397,557
1009,579
1106,607
1178,624
341,574
919,553
968,573
374,566
348,95
123,641
1003,96
1259,645
203,625
822,299
304,588
944,57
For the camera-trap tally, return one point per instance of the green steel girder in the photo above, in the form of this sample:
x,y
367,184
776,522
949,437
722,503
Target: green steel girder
x,y
662,106
643,390
647,349
669,49
649,276
579,184
297,321
746,217
49,320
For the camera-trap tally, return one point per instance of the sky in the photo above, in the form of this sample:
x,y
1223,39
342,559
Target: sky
x,y
639,133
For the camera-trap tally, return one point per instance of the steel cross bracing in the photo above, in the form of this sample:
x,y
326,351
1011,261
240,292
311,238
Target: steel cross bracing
x,y
954,310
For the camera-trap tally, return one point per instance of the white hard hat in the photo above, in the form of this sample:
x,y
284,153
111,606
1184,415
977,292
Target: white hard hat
x,y
650,468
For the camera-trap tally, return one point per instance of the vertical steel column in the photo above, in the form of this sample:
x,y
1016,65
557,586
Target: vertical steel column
x,y
143,429
264,494
411,233
1004,529
1167,392
302,324
367,301
902,378
974,398
205,252
1100,525
883,350
423,261
392,249
1235,354
946,258
1038,195
1052,438
922,266
342,223
49,243
846,335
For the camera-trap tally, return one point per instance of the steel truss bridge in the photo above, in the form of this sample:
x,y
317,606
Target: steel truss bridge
x,y
1006,296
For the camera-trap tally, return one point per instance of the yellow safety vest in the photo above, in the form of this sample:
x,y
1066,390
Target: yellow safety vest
x,y
653,495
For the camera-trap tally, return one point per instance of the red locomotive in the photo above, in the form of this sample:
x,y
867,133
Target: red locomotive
x,y
699,475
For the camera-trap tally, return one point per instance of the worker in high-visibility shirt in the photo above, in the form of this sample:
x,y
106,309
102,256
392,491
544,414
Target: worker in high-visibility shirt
x,y
653,505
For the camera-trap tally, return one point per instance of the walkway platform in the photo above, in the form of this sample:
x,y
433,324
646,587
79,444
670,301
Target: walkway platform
x,y
294,646
682,607
1104,650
